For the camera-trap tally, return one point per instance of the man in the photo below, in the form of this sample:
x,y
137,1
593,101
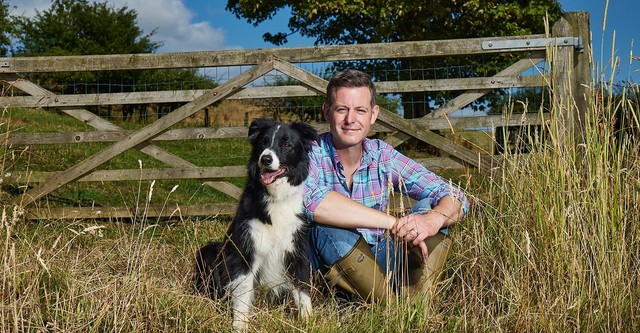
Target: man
x,y
348,191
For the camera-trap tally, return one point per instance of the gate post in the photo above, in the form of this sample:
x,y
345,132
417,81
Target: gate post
x,y
571,83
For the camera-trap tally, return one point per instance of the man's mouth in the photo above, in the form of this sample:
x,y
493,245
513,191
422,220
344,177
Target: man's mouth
x,y
350,129
267,177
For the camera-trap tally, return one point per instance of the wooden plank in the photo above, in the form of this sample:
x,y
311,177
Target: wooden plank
x,y
420,132
203,133
563,121
99,123
494,82
227,188
82,100
147,133
146,97
391,119
467,97
581,68
177,211
412,49
273,92
112,136
138,174
237,171
439,163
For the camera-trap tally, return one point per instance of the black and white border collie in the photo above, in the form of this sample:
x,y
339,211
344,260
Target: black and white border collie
x,y
265,244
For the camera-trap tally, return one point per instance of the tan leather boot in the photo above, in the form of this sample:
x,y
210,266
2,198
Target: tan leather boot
x,y
422,277
358,273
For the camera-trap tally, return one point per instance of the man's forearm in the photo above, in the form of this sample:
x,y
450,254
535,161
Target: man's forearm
x,y
340,211
451,208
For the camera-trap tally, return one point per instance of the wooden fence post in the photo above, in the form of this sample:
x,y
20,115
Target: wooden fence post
x,y
571,71
582,84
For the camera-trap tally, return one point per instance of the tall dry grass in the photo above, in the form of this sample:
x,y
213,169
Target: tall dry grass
x,y
551,245
554,247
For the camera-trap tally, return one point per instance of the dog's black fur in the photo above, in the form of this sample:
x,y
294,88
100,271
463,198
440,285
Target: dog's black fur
x,y
267,240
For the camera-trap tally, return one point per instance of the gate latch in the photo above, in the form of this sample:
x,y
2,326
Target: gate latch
x,y
576,42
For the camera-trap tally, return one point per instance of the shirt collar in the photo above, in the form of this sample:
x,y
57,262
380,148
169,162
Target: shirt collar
x,y
368,150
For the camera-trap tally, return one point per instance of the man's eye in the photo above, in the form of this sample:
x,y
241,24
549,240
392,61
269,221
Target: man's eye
x,y
341,110
361,111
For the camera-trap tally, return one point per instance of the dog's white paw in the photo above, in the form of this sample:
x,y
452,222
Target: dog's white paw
x,y
240,323
303,302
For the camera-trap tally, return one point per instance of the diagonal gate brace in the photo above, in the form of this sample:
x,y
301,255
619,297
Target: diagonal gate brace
x,y
389,118
102,124
147,133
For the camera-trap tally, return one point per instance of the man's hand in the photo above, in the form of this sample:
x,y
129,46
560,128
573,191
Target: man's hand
x,y
415,228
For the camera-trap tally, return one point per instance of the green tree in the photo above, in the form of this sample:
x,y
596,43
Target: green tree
x,y
373,21
78,27
5,29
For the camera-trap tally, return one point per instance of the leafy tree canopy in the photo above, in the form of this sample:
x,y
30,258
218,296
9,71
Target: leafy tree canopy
x,y
77,27
5,28
374,21
369,21
80,27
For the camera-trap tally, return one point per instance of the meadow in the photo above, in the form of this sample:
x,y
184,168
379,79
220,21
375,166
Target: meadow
x,y
551,244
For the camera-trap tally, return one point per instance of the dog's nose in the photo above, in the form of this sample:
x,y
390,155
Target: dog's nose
x,y
266,160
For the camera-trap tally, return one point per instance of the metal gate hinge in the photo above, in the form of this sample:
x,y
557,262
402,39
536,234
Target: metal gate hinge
x,y
576,42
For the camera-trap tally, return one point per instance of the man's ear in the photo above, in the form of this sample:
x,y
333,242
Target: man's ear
x,y
325,111
374,113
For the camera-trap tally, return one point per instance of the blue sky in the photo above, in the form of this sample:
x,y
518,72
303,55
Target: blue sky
x,y
620,23
198,25
613,36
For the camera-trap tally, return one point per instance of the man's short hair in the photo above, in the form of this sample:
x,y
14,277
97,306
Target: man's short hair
x,y
350,78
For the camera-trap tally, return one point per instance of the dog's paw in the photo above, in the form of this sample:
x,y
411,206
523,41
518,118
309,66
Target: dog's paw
x,y
303,302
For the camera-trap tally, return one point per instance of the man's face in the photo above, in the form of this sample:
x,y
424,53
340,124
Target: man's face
x,y
351,116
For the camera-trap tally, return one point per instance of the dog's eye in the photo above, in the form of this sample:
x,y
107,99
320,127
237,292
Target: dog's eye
x,y
287,145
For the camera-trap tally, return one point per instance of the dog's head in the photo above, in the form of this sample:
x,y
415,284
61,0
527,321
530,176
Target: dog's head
x,y
280,150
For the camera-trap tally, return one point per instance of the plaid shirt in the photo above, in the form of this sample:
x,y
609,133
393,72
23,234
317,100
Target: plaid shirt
x,y
371,180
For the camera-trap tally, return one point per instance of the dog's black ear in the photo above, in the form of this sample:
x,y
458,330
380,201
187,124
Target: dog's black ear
x,y
258,125
307,132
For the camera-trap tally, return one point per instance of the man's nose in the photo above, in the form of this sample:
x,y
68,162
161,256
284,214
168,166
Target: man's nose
x,y
351,116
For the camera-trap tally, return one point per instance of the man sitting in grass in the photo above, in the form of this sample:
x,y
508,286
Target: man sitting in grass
x,y
347,193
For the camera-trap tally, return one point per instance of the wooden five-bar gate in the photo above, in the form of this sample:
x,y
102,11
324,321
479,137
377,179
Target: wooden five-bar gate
x,y
565,52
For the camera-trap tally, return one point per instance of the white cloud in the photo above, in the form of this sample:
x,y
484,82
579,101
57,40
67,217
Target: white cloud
x,y
175,26
27,7
172,21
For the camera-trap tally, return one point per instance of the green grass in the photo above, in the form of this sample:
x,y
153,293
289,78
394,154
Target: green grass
x,y
59,157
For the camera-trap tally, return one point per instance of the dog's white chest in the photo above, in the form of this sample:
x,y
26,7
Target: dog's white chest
x,y
273,241
279,235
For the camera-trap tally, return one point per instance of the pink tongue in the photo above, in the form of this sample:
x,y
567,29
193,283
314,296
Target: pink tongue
x,y
268,177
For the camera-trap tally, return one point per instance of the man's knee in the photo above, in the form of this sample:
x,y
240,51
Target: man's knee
x,y
331,243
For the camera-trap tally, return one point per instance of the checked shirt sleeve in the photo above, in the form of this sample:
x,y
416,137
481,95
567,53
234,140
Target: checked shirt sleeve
x,y
420,183
314,192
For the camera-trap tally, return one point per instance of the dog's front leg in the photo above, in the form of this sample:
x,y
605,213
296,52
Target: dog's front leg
x,y
242,293
303,302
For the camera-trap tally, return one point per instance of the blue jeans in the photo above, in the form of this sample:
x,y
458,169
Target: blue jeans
x,y
329,244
